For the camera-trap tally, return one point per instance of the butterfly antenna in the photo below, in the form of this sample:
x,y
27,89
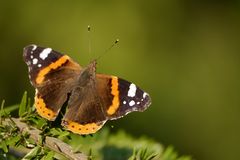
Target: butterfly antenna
x,y
89,40
108,49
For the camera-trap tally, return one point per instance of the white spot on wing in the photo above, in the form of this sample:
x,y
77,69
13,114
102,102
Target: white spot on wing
x,y
31,56
35,60
144,95
132,90
34,47
39,65
131,103
138,102
44,54
124,102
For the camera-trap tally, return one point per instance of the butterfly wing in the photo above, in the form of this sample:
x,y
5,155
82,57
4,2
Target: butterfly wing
x,y
50,72
121,97
85,113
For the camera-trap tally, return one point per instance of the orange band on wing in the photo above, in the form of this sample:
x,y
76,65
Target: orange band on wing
x,y
82,129
55,65
115,92
43,111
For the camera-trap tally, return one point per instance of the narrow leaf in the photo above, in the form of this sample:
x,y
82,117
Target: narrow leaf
x,y
1,111
29,109
23,105
10,109
4,146
33,153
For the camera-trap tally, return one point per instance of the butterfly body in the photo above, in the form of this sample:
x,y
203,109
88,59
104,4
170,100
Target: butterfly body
x,y
92,98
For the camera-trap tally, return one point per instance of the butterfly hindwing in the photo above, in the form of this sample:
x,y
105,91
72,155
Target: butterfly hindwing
x,y
86,111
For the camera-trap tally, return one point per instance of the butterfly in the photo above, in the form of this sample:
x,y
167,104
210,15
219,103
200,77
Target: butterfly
x,y
91,98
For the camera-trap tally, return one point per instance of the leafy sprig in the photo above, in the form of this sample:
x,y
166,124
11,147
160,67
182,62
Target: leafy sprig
x,y
37,139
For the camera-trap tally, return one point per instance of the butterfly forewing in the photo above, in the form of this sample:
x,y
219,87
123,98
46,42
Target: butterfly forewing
x,y
53,76
120,96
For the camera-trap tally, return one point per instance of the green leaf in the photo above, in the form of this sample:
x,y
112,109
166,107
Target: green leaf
x,y
142,154
58,132
33,153
23,105
13,140
63,134
41,123
49,156
55,131
29,107
1,111
10,109
90,157
3,145
36,120
170,154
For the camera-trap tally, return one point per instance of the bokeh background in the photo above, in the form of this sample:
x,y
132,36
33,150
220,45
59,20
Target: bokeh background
x,y
184,53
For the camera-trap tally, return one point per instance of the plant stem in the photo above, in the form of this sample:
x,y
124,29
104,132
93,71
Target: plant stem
x,y
50,142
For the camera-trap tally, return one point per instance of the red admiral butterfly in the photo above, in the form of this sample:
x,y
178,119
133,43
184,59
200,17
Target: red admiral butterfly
x,y
92,98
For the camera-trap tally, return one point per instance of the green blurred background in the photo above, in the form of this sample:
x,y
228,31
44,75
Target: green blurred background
x,y
184,53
